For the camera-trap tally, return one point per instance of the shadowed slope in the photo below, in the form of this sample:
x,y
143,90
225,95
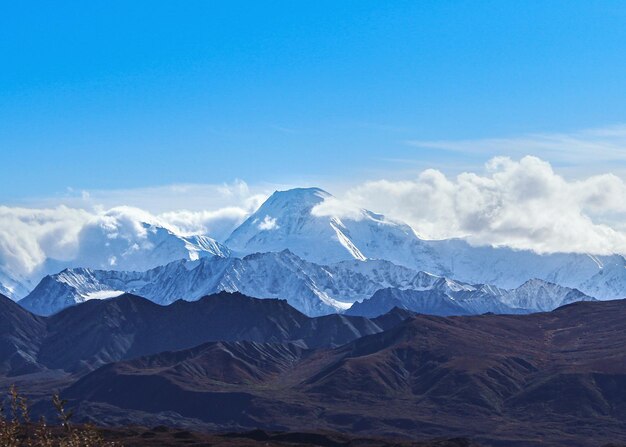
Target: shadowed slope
x,y
552,379
20,336
91,334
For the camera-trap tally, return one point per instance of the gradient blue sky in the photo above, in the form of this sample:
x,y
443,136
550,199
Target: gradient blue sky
x,y
115,95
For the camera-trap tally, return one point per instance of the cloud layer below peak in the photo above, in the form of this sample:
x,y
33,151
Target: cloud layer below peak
x,y
31,236
520,203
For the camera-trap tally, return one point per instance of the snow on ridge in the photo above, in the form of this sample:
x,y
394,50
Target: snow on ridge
x,y
102,294
311,288
364,244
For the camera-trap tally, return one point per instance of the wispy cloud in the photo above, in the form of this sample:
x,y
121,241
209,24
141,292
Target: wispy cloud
x,y
599,145
163,198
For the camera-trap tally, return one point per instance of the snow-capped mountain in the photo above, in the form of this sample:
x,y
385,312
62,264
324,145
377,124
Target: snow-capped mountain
x,y
148,245
13,286
601,276
541,295
117,244
446,297
72,286
286,221
311,288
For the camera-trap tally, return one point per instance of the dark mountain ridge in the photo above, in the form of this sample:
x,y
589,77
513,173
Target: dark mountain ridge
x,y
229,361
552,379
97,332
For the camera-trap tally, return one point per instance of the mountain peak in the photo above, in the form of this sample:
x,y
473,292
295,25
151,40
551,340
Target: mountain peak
x,y
296,198
303,192
287,220
535,283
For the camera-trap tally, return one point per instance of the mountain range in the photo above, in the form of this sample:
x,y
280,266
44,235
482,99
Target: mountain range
x,y
319,263
111,244
308,321
355,287
447,298
102,331
230,362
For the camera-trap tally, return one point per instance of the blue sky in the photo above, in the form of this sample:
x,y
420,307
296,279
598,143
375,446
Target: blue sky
x,y
121,95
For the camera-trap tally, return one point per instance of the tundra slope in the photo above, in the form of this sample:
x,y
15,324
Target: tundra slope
x,y
97,332
552,379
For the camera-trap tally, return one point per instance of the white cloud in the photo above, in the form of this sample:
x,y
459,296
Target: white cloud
x,y
30,236
218,224
269,223
213,209
332,206
522,204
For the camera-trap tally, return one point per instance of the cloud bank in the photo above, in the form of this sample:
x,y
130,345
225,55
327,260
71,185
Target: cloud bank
x,y
522,204
31,236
